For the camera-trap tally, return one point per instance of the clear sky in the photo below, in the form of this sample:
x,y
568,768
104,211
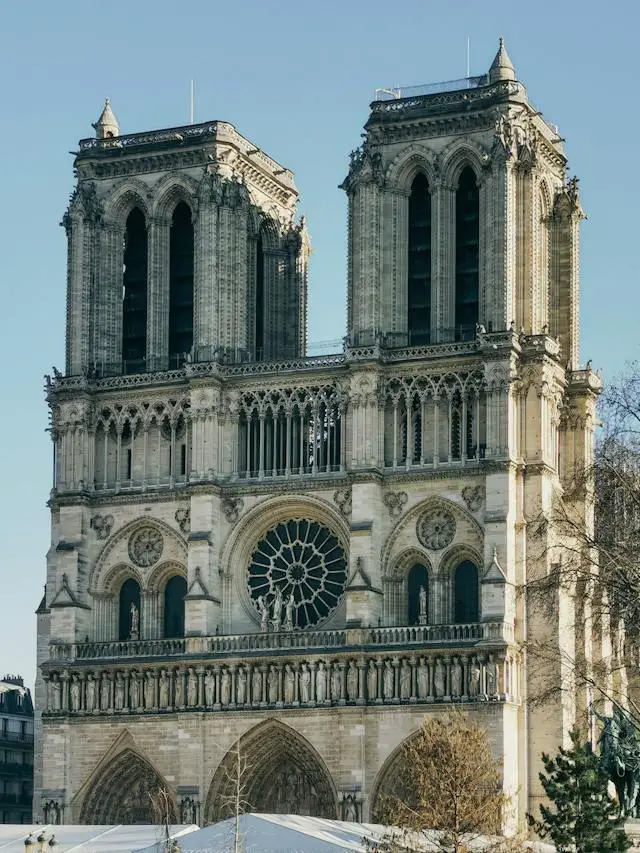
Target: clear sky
x,y
296,78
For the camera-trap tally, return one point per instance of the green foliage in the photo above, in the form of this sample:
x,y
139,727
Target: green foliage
x,y
584,819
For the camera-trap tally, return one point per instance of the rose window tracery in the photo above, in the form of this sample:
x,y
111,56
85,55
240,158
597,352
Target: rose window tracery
x,y
298,558
435,529
145,546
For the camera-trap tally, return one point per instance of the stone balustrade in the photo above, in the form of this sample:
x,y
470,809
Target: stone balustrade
x,y
257,643
324,680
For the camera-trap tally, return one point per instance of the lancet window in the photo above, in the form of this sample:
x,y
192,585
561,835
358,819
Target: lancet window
x,y
134,293
466,593
417,596
467,278
259,300
128,618
434,420
291,433
180,284
174,593
419,263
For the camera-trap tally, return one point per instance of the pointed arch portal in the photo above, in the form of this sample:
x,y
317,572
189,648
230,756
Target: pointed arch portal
x,y
122,793
281,773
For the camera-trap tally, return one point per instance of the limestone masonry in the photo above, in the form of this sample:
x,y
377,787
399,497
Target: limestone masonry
x,y
307,555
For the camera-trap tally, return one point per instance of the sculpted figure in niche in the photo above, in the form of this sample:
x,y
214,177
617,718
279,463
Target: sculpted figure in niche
x,y
289,613
475,678
277,610
75,693
91,693
492,677
350,810
56,694
289,684
405,680
241,686
134,690
423,680
372,680
388,679
135,622
438,679
305,683
456,678
257,685
272,683
321,683
192,688
119,693
164,689
264,614
105,690
209,688
352,682
149,690
422,602
178,701
225,687
336,686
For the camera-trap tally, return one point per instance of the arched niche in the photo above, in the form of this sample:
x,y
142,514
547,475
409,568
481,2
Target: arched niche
x,y
280,773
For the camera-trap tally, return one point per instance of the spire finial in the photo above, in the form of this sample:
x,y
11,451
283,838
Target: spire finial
x,y
502,66
107,125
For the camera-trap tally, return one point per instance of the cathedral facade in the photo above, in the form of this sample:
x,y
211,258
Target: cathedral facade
x,y
295,559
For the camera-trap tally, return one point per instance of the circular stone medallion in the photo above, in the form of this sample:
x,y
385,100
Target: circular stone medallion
x,y
145,546
435,529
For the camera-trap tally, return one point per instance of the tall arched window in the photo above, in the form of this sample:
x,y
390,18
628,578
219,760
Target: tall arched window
x,y
259,329
128,623
134,293
418,579
466,608
174,594
419,263
181,282
467,255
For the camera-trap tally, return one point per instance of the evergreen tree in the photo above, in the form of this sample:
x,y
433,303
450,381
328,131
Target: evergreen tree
x,y
584,819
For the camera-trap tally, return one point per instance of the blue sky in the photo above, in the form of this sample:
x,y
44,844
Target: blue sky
x,y
296,78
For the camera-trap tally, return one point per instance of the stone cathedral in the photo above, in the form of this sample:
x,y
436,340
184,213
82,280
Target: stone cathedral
x,y
300,557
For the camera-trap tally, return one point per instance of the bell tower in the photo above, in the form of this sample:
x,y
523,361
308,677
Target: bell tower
x,y
460,215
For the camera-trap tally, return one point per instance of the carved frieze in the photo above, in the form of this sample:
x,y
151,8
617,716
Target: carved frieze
x,y
183,518
395,503
342,499
473,496
102,524
232,508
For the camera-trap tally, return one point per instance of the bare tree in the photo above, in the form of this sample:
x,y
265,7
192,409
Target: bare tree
x,y
235,800
162,809
447,794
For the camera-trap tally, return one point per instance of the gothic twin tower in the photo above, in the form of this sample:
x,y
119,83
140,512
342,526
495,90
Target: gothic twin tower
x,y
205,465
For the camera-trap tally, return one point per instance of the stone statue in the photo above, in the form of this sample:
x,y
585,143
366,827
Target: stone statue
x,y
56,694
289,613
276,619
192,688
225,687
209,689
438,679
178,699
422,603
456,678
90,693
264,614
491,674
352,682
350,810
475,678
272,684
321,683
336,685
423,680
372,681
135,622
256,687
620,757
149,690
164,689
241,686
134,691
75,693
388,679
405,680
119,692
105,691
289,684
305,683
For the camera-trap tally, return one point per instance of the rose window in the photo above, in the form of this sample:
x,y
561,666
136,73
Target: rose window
x,y
436,529
302,559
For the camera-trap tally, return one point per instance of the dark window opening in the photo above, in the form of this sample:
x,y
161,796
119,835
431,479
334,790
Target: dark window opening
x,y
174,594
129,595
134,294
466,593
419,263
418,579
129,464
467,256
183,459
259,330
180,283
